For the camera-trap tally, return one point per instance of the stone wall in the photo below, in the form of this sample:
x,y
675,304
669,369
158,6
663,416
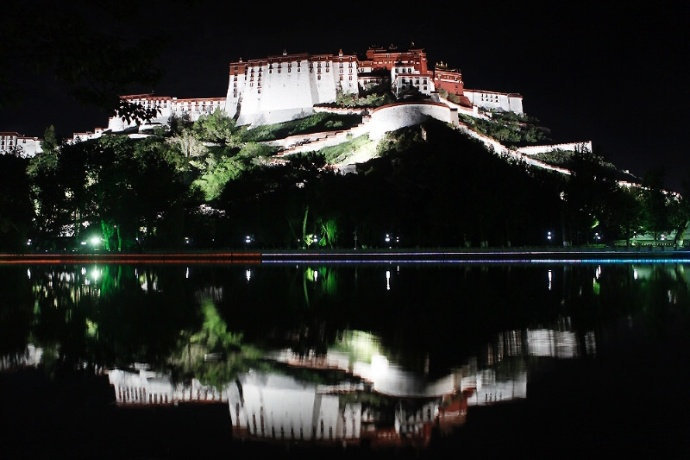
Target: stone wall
x,y
399,115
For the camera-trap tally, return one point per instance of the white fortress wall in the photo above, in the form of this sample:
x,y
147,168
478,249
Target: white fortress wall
x,y
147,387
167,106
286,87
235,91
500,149
194,107
489,390
493,100
472,112
287,408
341,110
324,79
25,146
346,72
321,140
547,342
395,116
585,146
30,357
276,92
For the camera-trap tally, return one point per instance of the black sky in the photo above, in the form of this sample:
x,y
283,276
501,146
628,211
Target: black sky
x,y
610,72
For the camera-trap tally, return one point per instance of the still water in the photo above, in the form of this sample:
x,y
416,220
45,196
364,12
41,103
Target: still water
x,y
351,360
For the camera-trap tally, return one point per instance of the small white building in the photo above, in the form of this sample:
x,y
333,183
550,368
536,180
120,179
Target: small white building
x,y
493,100
85,136
165,107
24,146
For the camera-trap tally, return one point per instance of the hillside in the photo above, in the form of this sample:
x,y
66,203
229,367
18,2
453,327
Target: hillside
x,y
210,184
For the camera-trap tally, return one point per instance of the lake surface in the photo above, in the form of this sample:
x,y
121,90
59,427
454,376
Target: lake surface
x,y
345,360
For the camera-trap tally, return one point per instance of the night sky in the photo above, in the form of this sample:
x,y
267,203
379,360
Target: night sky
x,y
602,71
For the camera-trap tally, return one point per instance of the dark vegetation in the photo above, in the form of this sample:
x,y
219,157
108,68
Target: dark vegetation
x,y
569,159
314,124
509,128
208,184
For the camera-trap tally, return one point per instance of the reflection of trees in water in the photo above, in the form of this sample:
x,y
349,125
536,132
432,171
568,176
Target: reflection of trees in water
x,y
597,295
16,309
213,354
99,314
430,319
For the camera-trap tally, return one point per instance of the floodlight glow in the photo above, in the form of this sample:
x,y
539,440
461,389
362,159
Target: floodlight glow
x,y
550,276
379,366
94,240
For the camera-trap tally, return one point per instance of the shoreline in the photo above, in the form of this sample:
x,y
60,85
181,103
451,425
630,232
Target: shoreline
x,y
483,255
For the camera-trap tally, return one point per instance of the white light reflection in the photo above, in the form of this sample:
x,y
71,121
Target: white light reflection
x,y
388,280
186,273
248,274
634,273
379,367
597,273
550,277
28,273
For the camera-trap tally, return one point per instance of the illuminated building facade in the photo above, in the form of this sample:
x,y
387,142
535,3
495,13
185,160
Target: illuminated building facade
x,y
24,146
279,88
285,87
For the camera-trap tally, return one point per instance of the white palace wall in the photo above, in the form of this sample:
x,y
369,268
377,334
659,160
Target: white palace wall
x,y
167,106
24,146
273,92
492,100
275,406
567,147
396,116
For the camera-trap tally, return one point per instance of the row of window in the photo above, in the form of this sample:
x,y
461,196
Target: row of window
x,y
489,97
405,80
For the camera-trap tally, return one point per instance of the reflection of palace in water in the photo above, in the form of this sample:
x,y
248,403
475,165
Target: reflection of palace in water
x,y
375,401
355,393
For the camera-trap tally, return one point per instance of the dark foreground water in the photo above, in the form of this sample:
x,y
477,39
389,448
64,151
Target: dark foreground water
x,y
345,360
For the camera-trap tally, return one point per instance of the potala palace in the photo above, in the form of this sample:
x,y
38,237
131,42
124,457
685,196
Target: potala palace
x,y
279,88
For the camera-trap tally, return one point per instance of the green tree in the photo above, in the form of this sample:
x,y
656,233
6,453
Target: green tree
x,y
15,203
656,216
216,127
50,143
